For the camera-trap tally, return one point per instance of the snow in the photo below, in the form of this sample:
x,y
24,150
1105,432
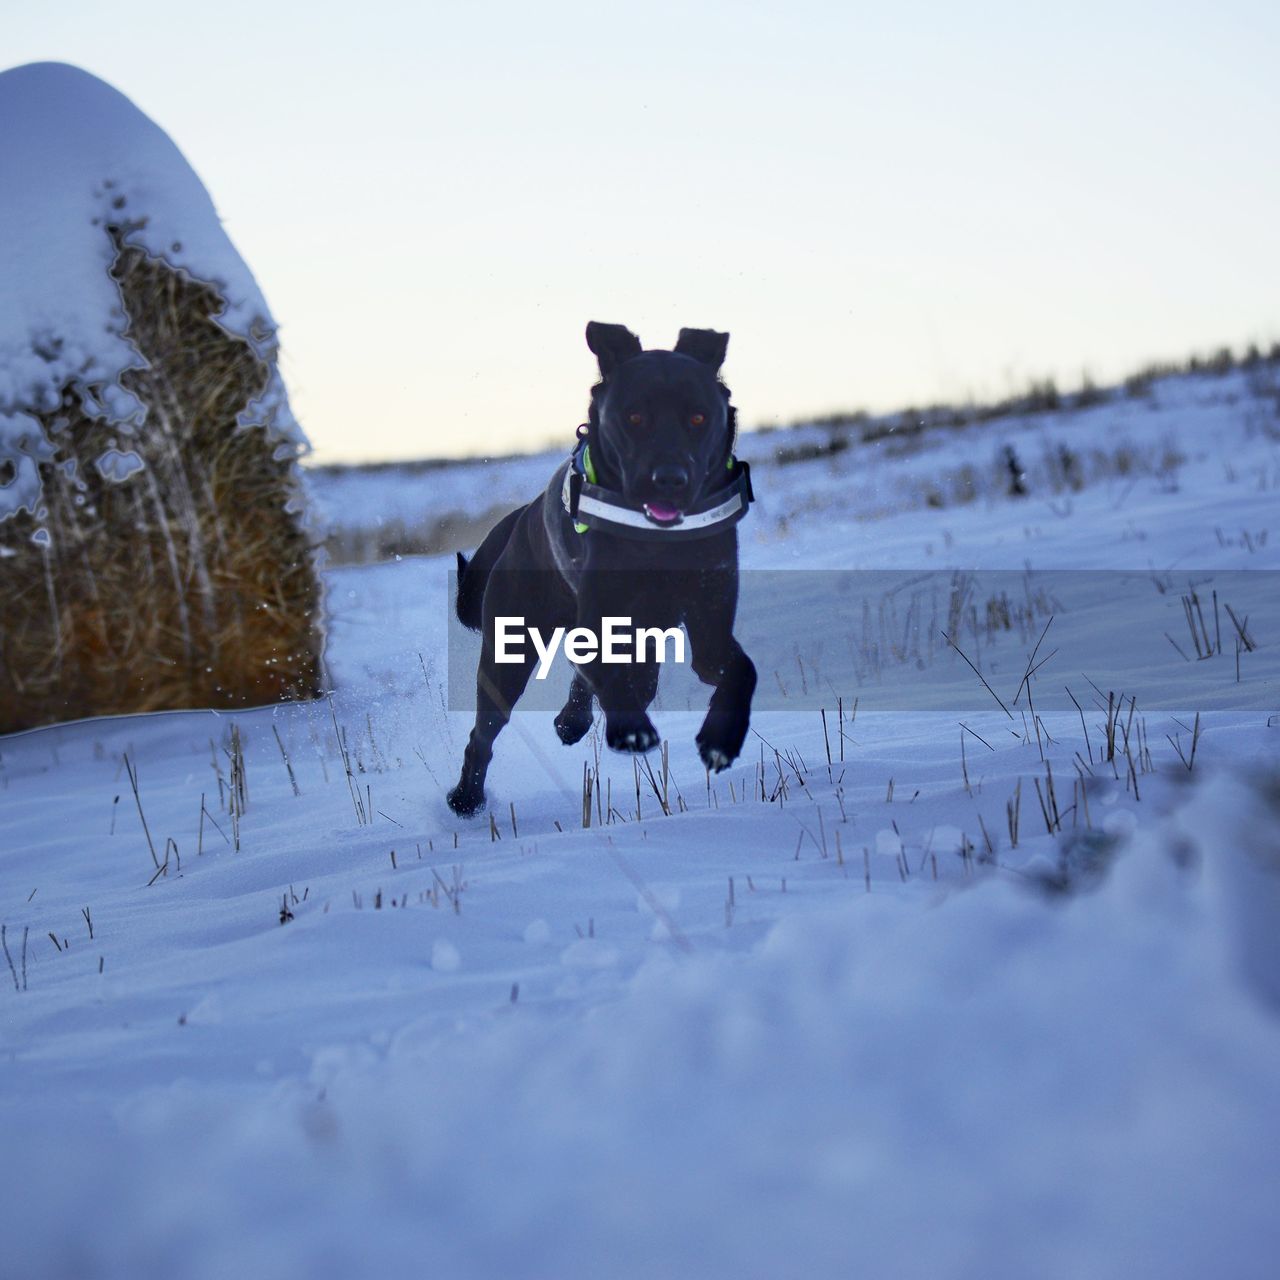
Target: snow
x,y
824,1034
118,467
77,156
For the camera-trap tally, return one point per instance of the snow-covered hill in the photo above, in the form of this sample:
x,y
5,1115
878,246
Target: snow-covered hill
x,y
968,1000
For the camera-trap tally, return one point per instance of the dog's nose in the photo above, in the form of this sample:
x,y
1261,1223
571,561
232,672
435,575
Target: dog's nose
x,y
670,478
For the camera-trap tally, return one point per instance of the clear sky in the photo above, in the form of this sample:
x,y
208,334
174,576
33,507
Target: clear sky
x,y
883,203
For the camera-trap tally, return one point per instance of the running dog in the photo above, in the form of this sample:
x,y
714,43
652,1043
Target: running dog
x,y
639,523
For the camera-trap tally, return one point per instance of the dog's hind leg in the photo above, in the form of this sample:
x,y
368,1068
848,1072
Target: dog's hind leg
x,y
538,596
575,716
498,687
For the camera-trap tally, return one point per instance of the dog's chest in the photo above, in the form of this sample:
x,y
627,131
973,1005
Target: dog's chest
x,y
568,550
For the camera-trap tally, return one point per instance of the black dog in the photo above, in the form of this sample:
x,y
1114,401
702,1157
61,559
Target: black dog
x,y
638,524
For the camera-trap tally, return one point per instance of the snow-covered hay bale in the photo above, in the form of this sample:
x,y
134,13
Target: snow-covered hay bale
x,y
153,546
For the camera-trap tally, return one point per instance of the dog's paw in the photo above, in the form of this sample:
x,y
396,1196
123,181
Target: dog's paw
x,y
632,733
465,803
572,728
720,741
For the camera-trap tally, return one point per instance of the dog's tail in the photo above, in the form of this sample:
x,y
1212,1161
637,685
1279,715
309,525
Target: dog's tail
x,y
473,574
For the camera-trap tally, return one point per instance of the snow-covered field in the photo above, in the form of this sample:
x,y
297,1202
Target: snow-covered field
x,y
820,1020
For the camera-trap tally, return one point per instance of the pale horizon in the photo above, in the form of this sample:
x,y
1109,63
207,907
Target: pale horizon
x,y
881,209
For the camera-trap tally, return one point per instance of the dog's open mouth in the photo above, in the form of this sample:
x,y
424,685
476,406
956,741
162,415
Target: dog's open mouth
x,y
661,514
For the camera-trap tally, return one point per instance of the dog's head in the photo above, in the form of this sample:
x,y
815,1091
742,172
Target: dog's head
x,y
661,422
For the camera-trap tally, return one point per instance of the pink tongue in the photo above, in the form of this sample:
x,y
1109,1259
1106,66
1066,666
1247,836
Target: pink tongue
x,y
660,512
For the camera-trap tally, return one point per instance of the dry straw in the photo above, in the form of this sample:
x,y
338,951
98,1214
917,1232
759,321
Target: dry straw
x,y
192,583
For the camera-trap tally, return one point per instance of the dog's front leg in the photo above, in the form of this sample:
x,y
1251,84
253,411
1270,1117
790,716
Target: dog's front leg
x,y
719,660
575,716
623,689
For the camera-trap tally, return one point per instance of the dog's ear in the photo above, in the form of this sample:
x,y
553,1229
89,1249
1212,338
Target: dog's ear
x,y
705,345
612,344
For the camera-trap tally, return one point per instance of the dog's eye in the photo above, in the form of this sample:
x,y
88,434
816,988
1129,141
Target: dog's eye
x,y
636,419
698,419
